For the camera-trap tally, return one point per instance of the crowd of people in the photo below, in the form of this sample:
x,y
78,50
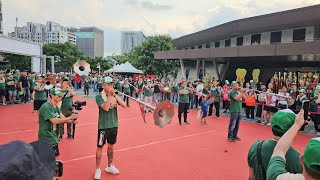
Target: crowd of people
x,y
52,95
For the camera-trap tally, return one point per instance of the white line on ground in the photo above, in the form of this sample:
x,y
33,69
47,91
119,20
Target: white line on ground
x,y
144,145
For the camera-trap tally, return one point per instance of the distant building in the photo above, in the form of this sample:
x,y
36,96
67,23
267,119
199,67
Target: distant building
x,y
90,40
1,27
52,32
130,40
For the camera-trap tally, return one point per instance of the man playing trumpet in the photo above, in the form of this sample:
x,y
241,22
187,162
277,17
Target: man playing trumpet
x,y
107,102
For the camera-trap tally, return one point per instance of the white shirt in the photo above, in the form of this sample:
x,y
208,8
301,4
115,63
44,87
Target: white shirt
x,y
199,88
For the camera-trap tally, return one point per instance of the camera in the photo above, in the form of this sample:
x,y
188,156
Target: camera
x,y
78,105
58,169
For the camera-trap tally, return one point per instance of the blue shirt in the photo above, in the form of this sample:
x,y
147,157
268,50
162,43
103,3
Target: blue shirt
x,y
204,106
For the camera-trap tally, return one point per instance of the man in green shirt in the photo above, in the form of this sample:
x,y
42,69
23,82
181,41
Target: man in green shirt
x,y
236,98
3,91
40,95
11,87
32,82
184,92
49,116
126,90
147,90
281,123
310,160
65,106
107,102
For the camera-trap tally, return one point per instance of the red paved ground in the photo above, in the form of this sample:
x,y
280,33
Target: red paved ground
x,y
145,151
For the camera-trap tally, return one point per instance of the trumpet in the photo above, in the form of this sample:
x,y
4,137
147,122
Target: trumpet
x,y
287,97
162,114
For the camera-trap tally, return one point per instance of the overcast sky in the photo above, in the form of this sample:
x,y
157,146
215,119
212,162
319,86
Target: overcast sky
x,y
173,17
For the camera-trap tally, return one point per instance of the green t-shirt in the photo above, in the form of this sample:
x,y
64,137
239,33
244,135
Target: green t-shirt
x,y
147,92
292,157
235,106
87,84
46,133
66,101
16,77
11,87
277,166
126,89
32,82
299,105
3,83
184,98
175,88
106,119
40,94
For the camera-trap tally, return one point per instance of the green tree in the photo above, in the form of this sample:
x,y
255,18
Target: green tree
x,y
104,64
142,57
68,53
19,62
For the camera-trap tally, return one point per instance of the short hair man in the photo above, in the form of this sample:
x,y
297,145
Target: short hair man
x,y
281,122
310,160
107,102
49,116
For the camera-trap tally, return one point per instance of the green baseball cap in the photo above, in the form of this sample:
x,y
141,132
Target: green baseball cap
x,y
282,121
302,91
312,155
107,80
227,82
57,91
233,83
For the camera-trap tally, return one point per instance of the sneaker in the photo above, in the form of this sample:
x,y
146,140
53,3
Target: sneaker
x,y
269,124
4,104
205,122
224,111
69,136
112,169
60,138
265,123
180,123
186,123
237,139
230,139
259,122
97,174
201,122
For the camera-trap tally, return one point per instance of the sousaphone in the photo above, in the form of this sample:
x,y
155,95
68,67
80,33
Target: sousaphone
x,y
82,68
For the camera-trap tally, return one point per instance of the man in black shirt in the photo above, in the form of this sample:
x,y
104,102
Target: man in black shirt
x,y
24,86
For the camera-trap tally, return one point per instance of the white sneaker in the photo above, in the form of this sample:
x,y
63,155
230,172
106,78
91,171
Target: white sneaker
x,y
112,169
269,124
97,174
4,104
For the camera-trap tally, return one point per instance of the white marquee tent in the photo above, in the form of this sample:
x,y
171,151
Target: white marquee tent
x,y
124,68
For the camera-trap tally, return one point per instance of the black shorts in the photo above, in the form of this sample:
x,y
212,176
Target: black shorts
x,y
3,92
38,103
183,108
56,149
109,135
271,109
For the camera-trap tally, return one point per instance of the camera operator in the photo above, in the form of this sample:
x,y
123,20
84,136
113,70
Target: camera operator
x,y
50,115
65,107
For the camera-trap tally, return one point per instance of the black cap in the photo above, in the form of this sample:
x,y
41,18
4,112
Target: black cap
x,y
20,160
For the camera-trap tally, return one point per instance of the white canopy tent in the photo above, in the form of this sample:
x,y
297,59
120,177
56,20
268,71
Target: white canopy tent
x,y
124,68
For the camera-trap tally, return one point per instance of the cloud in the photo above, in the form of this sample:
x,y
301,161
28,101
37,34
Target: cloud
x,y
148,5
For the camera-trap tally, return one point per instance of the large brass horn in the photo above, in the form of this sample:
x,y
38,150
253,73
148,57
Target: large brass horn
x,y
82,68
162,114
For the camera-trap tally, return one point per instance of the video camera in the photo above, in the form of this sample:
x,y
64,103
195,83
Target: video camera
x,y
78,105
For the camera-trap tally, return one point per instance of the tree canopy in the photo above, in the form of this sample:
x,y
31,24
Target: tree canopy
x,y
142,57
17,62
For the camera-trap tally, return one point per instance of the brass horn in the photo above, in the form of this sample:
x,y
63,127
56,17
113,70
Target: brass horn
x,y
82,68
162,114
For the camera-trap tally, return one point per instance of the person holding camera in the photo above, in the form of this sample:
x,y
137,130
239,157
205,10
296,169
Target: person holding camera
x,y
107,102
50,115
65,107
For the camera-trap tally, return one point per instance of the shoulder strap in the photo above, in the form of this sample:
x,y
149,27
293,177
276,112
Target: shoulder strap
x,y
260,164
